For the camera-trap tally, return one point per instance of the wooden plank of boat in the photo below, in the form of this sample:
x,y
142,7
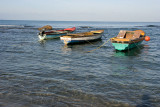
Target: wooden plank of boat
x,y
97,31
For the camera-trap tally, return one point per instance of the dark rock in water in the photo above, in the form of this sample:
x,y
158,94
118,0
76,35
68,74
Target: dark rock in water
x,y
85,27
152,26
27,26
149,26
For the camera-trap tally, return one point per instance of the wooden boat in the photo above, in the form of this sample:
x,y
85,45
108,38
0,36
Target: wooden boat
x,y
128,39
51,34
82,37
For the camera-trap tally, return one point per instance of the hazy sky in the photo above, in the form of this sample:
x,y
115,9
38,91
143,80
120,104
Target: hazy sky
x,y
81,10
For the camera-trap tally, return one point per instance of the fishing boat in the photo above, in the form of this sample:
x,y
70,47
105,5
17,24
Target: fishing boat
x,y
51,34
82,37
128,39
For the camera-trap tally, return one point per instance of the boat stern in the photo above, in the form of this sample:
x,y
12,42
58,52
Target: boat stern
x,y
42,37
66,39
120,47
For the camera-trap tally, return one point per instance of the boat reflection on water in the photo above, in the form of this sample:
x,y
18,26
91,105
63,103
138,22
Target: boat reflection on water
x,y
82,47
42,42
131,52
66,49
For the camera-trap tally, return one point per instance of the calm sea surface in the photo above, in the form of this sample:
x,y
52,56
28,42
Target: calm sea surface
x,y
37,73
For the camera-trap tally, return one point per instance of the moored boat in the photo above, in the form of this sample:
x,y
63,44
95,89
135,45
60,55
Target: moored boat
x,y
51,34
82,37
128,39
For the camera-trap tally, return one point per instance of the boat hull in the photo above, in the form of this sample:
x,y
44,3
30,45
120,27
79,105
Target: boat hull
x,y
52,34
46,37
72,40
125,46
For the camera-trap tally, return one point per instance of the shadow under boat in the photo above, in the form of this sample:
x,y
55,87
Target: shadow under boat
x,y
82,47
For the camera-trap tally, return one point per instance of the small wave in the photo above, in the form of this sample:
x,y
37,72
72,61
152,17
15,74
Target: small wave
x,y
11,26
17,27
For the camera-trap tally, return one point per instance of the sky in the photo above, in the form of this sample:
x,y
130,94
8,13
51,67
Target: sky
x,y
81,10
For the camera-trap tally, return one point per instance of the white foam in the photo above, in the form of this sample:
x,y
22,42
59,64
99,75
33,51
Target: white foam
x,y
11,26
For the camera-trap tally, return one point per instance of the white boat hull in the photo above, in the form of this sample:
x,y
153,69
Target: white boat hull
x,y
70,40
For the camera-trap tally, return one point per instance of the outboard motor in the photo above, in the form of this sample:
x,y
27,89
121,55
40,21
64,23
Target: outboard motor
x,y
42,32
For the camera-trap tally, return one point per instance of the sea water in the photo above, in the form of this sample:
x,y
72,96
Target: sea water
x,y
47,73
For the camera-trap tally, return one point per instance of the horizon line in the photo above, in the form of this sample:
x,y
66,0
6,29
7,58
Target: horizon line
x,y
74,20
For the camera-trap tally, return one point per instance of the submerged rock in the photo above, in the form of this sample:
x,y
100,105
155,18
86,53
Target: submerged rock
x,y
152,26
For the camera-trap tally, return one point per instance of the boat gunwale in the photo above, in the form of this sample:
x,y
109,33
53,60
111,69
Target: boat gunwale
x,y
127,41
77,35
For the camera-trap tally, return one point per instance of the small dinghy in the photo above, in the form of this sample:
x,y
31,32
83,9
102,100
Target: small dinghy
x,y
82,37
128,39
52,34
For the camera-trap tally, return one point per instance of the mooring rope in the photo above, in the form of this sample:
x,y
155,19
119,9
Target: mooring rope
x,y
90,43
136,45
99,46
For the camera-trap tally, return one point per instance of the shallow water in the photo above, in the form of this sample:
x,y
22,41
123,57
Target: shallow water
x,y
47,73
